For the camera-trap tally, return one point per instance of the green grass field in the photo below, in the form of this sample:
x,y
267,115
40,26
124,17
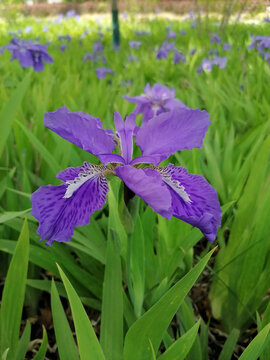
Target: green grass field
x,y
134,272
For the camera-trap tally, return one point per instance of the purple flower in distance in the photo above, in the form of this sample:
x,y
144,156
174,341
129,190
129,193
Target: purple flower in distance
x,y
133,44
164,50
169,191
63,47
98,46
215,39
183,32
64,37
142,32
208,64
154,101
171,34
227,47
177,57
192,51
29,54
102,72
267,19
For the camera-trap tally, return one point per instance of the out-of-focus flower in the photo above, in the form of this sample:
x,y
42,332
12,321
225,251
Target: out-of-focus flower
x,y
177,57
142,32
29,54
192,51
45,28
133,44
164,50
227,47
213,52
267,19
28,29
64,37
125,15
207,64
63,47
132,58
103,71
169,191
183,32
215,39
154,101
171,34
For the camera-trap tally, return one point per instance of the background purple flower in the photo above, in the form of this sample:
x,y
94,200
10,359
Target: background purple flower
x,y
102,72
133,44
215,39
29,54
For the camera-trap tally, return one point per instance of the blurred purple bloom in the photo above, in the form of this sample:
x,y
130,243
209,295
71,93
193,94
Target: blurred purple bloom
x,y
125,15
170,191
98,46
164,50
29,54
142,32
192,51
215,39
63,47
71,13
102,72
28,29
171,35
267,19
194,24
183,32
65,37
45,28
207,64
213,52
132,58
227,47
154,101
133,44
177,57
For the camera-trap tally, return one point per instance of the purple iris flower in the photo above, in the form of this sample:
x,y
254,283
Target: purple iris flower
x,y
133,44
208,63
192,51
154,101
102,72
28,29
142,32
183,32
171,35
227,47
98,46
132,58
177,57
169,191
267,19
164,50
63,47
215,39
29,54
65,37
213,52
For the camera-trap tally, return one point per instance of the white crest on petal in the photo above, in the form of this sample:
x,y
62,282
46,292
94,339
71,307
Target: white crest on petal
x,y
88,172
174,184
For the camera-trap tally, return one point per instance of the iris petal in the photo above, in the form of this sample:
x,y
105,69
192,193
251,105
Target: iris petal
x,y
59,209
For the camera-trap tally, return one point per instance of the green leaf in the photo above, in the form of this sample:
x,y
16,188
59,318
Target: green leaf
x,y
13,295
12,215
23,343
181,347
255,348
10,109
153,324
111,335
40,355
88,344
228,348
64,338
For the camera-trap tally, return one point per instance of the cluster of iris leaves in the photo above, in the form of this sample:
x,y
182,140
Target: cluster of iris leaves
x,y
131,266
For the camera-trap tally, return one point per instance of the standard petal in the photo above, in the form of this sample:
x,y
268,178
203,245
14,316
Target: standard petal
x,y
173,131
59,209
125,130
148,185
193,199
81,129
